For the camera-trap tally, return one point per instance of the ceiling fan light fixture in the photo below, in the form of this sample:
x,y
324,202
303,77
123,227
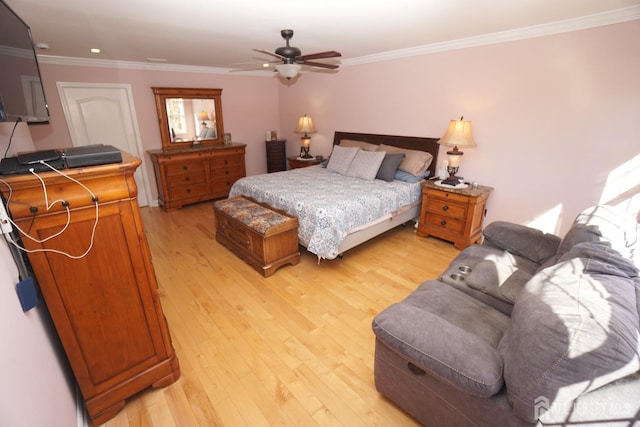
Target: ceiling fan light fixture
x,y
288,71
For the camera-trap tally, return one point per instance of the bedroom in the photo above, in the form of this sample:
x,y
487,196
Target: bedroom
x,y
553,116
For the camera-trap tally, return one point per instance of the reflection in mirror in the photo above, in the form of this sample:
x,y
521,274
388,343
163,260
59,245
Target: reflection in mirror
x,y
191,119
189,116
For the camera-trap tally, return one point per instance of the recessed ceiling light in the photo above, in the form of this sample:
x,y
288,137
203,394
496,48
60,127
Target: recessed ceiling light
x,y
265,65
42,46
95,50
156,60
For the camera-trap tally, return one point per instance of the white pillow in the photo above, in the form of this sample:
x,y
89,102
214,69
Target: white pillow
x,y
341,158
365,164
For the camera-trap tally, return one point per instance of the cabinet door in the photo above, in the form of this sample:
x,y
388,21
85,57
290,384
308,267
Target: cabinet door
x,y
104,304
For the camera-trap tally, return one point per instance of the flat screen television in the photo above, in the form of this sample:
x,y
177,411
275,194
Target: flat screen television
x,y
21,92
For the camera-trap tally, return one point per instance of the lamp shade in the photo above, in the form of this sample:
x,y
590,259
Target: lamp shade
x,y
202,115
305,125
288,71
458,134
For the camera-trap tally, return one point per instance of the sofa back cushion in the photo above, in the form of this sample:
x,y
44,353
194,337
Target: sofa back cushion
x,y
603,224
574,328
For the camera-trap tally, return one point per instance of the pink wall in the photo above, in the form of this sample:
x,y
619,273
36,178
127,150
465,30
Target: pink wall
x,y
250,106
552,116
37,386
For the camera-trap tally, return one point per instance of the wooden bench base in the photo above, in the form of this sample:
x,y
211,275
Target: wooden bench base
x,y
263,237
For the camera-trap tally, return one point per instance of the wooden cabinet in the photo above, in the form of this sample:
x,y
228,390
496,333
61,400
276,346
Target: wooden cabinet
x,y
453,214
276,155
93,266
196,174
297,162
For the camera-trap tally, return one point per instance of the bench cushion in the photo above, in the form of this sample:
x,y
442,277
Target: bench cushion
x,y
251,214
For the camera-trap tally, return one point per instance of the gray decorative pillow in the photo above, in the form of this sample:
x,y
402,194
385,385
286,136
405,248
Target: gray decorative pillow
x,y
341,158
389,166
365,164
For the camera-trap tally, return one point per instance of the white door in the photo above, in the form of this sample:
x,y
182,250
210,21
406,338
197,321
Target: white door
x,y
104,114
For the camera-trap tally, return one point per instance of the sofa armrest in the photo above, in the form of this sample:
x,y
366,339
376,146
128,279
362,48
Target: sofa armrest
x,y
521,240
448,334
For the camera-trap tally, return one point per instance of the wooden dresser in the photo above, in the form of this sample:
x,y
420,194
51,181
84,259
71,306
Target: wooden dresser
x,y
276,155
195,174
453,214
102,296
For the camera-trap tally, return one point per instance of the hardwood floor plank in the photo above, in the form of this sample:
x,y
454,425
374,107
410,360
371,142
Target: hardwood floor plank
x,y
293,349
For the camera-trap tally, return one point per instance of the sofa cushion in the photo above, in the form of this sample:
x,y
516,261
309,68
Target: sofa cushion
x,y
603,224
574,328
449,334
521,240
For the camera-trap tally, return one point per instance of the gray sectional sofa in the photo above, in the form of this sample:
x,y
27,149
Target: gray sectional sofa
x,y
524,329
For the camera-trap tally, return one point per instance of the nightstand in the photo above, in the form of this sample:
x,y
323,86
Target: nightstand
x,y
297,162
453,214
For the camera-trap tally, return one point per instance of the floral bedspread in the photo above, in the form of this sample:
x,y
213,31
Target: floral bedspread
x,y
327,204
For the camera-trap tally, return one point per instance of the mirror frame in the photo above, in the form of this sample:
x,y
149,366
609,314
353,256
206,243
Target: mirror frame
x,y
164,93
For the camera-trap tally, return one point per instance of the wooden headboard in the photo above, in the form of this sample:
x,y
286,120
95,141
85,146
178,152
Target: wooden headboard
x,y
430,145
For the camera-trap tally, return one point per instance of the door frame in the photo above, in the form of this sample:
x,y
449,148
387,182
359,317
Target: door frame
x,y
134,121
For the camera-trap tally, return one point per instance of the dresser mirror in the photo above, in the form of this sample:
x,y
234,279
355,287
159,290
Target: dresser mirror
x,y
189,117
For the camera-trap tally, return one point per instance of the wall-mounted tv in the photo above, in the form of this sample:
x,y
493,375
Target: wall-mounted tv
x,y
21,92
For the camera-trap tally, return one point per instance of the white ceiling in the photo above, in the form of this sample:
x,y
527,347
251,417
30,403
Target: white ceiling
x,y
221,33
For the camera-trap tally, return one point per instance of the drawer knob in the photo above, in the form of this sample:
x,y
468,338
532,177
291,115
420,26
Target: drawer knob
x,y
188,190
186,178
184,168
443,222
445,208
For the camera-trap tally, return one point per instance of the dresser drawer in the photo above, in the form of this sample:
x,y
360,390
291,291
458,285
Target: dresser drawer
x,y
191,190
446,208
445,223
192,178
180,168
224,162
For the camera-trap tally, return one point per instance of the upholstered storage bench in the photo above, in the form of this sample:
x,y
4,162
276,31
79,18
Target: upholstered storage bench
x,y
263,237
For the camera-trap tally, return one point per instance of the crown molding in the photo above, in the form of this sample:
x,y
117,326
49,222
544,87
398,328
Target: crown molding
x,y
590,21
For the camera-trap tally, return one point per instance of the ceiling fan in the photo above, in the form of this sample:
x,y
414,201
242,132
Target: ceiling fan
x,y
292,57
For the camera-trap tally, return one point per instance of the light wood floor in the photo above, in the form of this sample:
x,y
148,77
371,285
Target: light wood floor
x,y
294,349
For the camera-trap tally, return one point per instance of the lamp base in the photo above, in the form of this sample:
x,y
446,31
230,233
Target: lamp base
x,y
306,156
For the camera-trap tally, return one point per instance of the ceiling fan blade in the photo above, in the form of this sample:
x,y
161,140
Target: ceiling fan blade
x,y
320,55
320,64
266,52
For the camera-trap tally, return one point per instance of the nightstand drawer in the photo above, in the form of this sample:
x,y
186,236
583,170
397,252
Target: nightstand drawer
x,y
444,195
445,223
444,207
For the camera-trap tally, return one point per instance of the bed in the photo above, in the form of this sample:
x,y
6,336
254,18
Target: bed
x,y
337,208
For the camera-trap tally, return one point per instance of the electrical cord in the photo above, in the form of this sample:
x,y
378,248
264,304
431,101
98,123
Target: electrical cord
x,y
48,207
11,137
